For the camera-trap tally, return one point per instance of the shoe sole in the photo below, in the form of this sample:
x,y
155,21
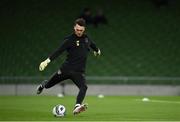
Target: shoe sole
x,y
38,91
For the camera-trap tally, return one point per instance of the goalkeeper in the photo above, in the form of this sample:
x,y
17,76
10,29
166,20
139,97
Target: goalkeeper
x,y
77,46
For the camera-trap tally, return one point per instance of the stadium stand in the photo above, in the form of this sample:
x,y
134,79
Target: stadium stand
x,y
139,41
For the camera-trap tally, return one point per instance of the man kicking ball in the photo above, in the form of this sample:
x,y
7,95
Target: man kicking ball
x,y
77,46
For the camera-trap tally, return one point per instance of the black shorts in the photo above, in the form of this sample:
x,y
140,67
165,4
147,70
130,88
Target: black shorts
x,y
77,77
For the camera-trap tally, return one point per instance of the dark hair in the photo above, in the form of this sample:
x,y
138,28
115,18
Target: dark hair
x,y
80,21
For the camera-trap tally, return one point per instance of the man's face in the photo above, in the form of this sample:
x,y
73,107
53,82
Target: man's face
x,y
79,30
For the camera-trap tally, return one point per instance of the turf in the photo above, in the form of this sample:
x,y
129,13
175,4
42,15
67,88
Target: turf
x,y
109,108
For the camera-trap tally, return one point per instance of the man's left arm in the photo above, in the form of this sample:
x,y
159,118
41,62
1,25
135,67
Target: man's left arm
x,y
97,51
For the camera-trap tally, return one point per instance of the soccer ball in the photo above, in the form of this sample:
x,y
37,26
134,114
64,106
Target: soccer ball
x,y
59,111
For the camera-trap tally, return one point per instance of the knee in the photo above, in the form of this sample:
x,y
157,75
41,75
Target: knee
x,y
84,88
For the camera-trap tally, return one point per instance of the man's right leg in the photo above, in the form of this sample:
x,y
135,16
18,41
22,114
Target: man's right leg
x,y
41,87
56,78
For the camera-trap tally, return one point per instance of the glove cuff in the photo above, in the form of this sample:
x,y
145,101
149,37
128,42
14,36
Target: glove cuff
x,y
48,60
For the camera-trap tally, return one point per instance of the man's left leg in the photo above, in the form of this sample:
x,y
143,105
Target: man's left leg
x,y
79,80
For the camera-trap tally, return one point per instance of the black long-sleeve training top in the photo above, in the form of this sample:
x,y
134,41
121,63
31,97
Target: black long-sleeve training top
x,y
77,52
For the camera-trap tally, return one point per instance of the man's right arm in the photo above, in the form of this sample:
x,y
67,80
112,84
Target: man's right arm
x,y
60,50
55,54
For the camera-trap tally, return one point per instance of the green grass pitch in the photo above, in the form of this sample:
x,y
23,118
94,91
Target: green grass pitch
x,y
109,108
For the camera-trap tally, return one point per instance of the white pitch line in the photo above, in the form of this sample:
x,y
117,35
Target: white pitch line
x,y
159,101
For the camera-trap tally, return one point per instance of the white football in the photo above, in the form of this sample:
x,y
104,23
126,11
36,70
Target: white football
x,y
59,111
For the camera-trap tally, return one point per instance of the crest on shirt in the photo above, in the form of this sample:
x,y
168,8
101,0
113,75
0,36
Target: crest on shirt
x,y
77,43
59,72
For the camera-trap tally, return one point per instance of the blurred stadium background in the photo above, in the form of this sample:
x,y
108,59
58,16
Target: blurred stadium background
x,y
140,43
